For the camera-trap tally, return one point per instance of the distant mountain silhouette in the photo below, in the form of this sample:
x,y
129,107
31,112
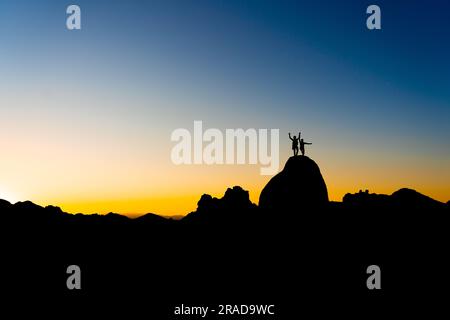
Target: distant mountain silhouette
x,y
234,206
298,186
5,205
403,199
151,220
408,197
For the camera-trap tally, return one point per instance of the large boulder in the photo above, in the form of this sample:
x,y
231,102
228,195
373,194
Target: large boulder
x,y
298,186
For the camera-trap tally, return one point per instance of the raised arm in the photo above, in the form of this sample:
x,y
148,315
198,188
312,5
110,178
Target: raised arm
x,y
299,133
290,136
307,143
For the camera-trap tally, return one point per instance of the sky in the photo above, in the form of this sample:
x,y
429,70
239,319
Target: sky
x,y
86,115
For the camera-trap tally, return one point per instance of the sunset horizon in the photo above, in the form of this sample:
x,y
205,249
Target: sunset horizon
x,y
184,204
87,115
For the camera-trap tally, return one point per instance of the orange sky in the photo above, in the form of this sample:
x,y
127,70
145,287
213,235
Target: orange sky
x,y
118,182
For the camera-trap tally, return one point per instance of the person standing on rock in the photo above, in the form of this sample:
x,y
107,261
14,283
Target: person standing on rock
x,y
302,146
295,143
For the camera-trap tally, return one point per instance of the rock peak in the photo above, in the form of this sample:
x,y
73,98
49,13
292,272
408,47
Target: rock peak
x,y
299,185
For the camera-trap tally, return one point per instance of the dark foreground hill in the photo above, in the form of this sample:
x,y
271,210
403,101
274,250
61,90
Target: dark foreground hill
x,y
232,251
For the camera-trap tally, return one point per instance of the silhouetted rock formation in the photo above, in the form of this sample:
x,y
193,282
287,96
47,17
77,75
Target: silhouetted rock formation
x,y
252,252
234,206
408,197
4,205
366,199
300,185
152,219
403,199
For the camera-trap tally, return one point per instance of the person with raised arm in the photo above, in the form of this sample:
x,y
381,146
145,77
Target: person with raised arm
x,y
295,143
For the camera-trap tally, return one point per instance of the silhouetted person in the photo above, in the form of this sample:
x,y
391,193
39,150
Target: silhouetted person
x,y
295,143
302,146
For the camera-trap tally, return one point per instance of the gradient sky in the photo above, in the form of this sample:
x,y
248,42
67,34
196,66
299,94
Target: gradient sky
x,y
86,116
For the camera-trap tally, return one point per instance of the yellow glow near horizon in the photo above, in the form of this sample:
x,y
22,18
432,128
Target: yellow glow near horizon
x,y
185,197
183,204
83,178
129,172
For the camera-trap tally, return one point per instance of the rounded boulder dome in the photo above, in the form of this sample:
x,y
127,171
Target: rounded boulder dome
x,y
300,184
